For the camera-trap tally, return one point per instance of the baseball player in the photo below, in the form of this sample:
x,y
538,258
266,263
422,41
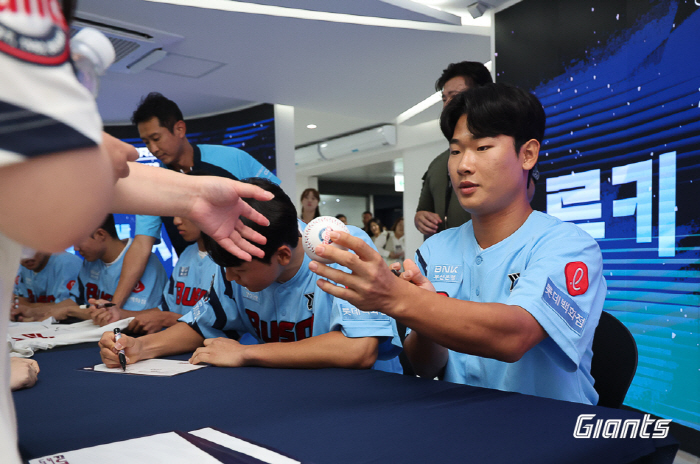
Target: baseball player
x,y
515,295
277,301
97,280
45,279
162,128
190,282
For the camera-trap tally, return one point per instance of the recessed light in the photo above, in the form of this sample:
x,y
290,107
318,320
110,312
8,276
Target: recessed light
x,y
311,126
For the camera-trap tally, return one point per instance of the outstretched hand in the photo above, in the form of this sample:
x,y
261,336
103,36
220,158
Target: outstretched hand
x,y
217,209
372,286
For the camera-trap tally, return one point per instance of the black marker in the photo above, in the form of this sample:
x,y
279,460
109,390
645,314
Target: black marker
x,y
396,273
122,356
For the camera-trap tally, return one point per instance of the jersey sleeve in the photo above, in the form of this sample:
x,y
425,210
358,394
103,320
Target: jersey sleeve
x,y
149,289
148,225
250,167
43,107
65,277
563,288
77,293
354,323
169,294
217,315
20,288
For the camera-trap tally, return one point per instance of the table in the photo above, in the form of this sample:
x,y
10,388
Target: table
x,y
321,416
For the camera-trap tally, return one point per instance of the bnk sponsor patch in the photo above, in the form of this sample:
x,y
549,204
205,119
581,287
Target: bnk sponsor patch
x,y
446,273
564,306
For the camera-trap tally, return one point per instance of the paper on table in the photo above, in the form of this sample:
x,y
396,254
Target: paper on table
x,y
155,367
242,446
167,448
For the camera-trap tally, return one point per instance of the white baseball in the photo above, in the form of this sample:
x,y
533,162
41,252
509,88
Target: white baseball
x,y
317,232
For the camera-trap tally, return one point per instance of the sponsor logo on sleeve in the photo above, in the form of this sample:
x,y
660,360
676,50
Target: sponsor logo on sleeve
x,y
576,278
139,287
70,284
351,313
448,273
565,307
16,279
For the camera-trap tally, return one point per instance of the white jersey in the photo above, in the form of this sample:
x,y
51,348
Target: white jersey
x,y
44,109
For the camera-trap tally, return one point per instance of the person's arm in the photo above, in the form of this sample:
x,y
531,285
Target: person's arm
x,y
331,349
426,219
491,330
43,186
42,311
152,320
135,261
212,203
180,338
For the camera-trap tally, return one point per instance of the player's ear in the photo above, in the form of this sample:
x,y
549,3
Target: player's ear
x,y
180,129
529,153
283,255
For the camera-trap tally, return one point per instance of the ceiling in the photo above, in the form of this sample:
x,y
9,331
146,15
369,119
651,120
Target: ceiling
x,y
333,61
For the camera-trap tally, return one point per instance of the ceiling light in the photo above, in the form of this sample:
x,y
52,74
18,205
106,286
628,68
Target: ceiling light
x,y
311,126
420,107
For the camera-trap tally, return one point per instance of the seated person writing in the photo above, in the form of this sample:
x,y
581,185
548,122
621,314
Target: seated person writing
x,y
98,276
277,301
515,295
43,280
190,281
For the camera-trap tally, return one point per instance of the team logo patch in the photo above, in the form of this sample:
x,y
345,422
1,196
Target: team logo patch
x,y
565,307
70,284
324,235
37,35
17,280
139,287
184,270
513,280
351,313
309,301
449,273
576,278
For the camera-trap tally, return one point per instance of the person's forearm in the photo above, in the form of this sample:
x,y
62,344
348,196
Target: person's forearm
x,y
42,187
178,339
134,264
426,357
332,349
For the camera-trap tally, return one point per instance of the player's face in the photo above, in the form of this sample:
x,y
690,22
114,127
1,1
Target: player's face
x,y
187,229
36,262
452,88
163,144
254,275
90,248
487,174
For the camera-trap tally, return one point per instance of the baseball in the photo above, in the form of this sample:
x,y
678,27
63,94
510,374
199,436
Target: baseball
x,y
318,232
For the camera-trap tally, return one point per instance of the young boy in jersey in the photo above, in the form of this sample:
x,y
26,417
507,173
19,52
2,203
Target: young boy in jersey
x,y
103,252
43,280
514,295
190,281
277,301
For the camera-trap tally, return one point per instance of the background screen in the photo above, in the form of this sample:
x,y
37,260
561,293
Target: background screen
x,y
620,83
251,130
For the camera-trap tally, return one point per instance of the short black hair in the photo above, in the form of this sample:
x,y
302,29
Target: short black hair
x,y
109,226
156,105
283,228
473,72
338,216
496,109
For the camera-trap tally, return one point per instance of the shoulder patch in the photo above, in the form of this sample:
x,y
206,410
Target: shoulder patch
x,y
576,278
565,307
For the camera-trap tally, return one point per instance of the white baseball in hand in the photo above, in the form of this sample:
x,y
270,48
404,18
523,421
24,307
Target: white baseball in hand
x,y
318,232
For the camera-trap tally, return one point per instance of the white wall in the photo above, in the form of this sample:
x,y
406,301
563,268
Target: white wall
x,y
418,145
284,148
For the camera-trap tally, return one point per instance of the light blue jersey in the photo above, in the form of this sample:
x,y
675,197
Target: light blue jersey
x,y
292,311
553,270
217,160
190,281
53,283
99,280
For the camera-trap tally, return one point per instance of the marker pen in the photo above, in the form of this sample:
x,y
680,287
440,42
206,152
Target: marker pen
x,y
122,356
106,305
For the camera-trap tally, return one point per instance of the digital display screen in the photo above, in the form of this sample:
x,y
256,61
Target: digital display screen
x,y
251,130
620,84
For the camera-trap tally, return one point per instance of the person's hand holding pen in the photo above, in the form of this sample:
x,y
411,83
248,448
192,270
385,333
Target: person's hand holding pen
x,y
102,312
110,348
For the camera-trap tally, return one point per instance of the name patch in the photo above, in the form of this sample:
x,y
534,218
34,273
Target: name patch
x,y
565,307
351,313
446,273
184,270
